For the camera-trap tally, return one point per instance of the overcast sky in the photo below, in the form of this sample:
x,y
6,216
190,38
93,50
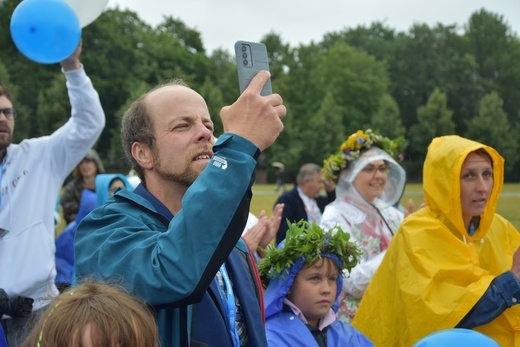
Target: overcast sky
x,y
222,22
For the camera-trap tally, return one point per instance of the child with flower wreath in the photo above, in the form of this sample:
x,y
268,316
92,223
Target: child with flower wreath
x,y
303,279
370,183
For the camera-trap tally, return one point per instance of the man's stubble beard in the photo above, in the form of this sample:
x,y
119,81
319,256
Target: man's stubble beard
x,y
6,143
185,178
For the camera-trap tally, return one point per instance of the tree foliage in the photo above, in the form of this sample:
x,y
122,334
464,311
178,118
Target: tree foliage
x,y
425,82
491,126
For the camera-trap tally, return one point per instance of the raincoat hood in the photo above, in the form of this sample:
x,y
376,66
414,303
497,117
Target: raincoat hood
x,y
395,183
103,184
441,182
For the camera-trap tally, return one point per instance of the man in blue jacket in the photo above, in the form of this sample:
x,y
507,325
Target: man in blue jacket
x,y
169,237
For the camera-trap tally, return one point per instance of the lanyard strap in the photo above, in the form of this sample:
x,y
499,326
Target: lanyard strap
x,y
229,302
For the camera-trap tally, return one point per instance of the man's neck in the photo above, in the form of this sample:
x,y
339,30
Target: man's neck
x,y
168,193
306,193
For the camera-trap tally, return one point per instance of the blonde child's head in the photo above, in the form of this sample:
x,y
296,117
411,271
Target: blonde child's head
x,y
97,315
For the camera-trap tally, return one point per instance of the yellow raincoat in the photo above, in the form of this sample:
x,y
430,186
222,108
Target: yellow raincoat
x,y
434,272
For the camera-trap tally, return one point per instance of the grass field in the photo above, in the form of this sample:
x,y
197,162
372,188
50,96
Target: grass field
x,y
264,197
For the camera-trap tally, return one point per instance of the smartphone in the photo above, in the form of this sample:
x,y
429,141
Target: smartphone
x,y
251,57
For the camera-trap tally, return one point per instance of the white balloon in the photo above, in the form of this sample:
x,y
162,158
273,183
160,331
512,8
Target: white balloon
x,y
87,10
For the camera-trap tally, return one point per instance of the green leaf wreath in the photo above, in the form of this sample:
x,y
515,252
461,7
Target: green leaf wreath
x,y
310,242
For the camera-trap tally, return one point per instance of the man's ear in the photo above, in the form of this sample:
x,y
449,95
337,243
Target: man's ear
x,y
143,155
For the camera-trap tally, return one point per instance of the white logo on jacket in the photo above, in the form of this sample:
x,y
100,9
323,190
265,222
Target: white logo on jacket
x,y
220,162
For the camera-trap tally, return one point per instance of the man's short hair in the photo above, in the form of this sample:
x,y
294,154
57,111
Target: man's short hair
x,y
306,171
137,126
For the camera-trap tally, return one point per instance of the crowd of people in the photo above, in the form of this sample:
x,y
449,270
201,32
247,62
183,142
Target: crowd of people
x,y
173,256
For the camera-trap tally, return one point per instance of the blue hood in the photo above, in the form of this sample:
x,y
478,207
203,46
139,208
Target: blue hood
x,y
103,183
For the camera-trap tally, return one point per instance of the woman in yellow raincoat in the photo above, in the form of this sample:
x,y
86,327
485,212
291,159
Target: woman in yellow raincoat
x,y
453,263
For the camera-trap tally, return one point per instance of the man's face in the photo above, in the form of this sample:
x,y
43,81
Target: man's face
x,y
183,131
6,125
313,185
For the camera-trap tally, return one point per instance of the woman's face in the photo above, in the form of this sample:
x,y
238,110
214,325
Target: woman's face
x,y
88,168
476,184
371,180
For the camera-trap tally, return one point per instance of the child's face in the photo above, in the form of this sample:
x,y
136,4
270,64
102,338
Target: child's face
x,y
314,290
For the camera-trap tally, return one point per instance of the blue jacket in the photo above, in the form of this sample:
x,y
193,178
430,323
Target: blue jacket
x,y
287,330
65,242
294,209
170,262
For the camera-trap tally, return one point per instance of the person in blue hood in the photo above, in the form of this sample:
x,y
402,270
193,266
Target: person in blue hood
x,y
107,185
303,279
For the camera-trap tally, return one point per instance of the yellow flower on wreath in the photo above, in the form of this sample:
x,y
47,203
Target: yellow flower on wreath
x,y
355,141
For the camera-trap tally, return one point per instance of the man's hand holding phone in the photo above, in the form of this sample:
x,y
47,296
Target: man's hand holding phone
x,y
253,116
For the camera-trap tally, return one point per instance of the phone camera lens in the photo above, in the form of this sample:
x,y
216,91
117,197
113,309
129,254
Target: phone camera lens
x,y
245,62
244,48
244,55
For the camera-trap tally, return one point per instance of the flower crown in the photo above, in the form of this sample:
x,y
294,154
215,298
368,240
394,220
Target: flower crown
x,y
310,242
351,150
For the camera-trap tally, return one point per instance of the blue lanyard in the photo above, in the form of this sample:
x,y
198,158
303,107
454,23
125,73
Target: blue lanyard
x,y
229,302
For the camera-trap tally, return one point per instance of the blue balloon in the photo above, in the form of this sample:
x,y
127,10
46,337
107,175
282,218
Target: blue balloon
x,y
456,338
46,31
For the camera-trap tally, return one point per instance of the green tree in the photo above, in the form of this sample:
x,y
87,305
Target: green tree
x,y
497,52
433,119
492,127
387,120
325,131
426,58
378,40
279,54
55,113
356,80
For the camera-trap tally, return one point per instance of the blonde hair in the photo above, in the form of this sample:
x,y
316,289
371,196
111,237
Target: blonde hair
x,y
106,312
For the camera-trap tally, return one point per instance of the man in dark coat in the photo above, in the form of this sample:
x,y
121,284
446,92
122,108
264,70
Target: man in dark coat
x,y
305,201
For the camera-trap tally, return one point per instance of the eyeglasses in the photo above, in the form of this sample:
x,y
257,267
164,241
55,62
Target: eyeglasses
x,y
10,113
370,169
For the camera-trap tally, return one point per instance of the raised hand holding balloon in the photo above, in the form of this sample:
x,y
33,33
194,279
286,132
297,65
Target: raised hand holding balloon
x,y
46,31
